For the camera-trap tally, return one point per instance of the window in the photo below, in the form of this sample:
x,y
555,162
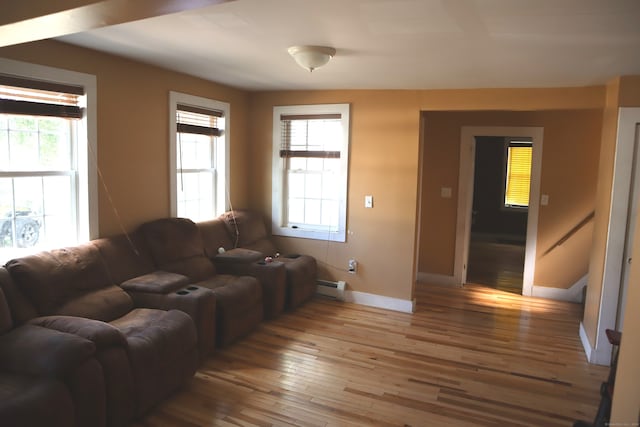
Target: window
x,y
310,167
518,174
47,181
199,130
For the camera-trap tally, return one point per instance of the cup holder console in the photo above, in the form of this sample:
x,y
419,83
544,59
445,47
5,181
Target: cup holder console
x,y
187,290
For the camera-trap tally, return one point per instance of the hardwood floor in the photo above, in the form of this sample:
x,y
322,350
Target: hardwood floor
x,y
469,356
497,265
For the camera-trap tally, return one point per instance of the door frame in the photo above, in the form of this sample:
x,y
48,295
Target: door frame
x,y
614,255
465,197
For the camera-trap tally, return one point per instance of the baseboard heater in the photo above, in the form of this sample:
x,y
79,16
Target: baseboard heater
x,y
331,289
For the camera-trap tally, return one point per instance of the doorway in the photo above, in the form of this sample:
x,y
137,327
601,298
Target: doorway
x,y
499,212
465,198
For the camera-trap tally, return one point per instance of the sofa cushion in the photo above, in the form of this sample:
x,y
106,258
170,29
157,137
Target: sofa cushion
x,y
214,236
104,304
238,256
33,401
162,351
70,281
6,322
34,350
238,306
250,230
125,255
21,309
102,334
176,246
158,282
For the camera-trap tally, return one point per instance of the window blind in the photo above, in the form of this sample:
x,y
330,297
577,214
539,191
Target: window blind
x,y
299,135
197,120
518,175
37,98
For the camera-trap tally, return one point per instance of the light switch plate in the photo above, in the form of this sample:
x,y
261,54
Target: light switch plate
x,y
544,199
445,192
368,201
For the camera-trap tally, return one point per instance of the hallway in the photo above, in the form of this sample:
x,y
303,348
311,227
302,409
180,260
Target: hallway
x,y
497,265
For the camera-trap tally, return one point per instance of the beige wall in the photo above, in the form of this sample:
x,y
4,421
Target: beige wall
x,y
383,161
569,174
133,137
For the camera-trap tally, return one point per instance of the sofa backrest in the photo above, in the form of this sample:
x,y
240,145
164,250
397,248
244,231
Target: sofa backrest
x,y
70,281
125,256
176,246
214,236
21,309
248,230
6,322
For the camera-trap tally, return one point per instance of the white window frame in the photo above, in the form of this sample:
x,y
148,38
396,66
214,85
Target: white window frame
x,y
86,189
279,196
221,155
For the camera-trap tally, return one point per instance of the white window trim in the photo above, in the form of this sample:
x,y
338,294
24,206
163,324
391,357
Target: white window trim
x,y
278,227
87,184
221,154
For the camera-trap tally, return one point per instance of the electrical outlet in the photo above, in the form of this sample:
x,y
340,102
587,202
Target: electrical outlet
x,y
353,266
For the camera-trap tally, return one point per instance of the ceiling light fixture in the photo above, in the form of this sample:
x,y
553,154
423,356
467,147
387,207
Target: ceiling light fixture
x,y
311,57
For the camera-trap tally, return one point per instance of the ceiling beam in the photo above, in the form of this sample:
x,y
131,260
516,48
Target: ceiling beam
x,y
30,20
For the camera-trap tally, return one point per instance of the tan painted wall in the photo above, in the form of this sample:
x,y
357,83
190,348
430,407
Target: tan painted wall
x,y
383,162
569,173
133,137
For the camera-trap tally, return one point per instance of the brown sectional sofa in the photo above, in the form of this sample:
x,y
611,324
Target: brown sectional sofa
x,y
47,377
176,246
251,234
96,334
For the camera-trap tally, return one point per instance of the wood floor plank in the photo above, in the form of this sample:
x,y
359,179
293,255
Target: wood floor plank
x,y
471,356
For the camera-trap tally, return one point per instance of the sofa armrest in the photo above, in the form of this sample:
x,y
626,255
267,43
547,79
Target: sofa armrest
x,y
102,334
198,302
35,350
237,256
272,276
158,282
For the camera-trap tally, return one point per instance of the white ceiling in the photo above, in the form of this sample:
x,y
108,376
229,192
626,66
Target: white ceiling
x,y
389,44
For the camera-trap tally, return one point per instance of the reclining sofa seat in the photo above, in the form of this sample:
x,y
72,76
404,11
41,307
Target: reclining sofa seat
x,y
47,377
130,265
239,262
248,231
145,353
176,246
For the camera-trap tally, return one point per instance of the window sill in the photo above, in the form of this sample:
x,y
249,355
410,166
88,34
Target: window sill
x,y
332,236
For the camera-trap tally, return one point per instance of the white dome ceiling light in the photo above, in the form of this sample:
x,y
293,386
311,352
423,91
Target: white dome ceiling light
x,y
311,57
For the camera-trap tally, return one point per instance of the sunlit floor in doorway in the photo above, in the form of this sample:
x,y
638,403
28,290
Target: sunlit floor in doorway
x,y
496,265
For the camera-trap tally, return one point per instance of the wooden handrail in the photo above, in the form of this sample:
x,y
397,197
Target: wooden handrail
x,y
571,232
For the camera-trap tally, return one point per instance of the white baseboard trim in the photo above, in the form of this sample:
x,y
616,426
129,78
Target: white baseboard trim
x,y
437,279
595,356
379,301
573,294
588,350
